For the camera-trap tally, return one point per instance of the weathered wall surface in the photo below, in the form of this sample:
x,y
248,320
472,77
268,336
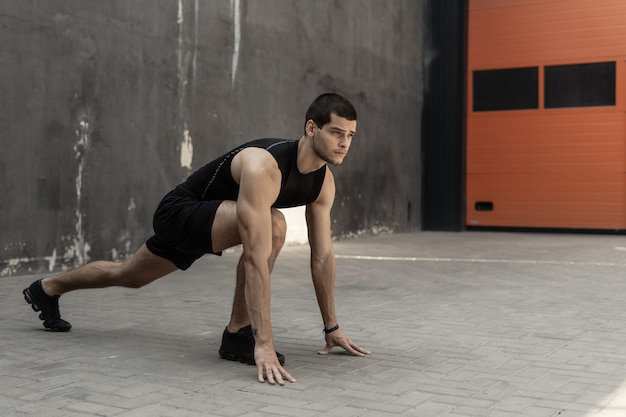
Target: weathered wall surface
x,y
106,105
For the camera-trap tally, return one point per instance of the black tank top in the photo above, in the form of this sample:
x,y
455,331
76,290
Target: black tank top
x,y
214,181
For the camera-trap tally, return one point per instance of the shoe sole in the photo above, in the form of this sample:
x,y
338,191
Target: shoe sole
x,y
241,359
30,300
33,304
234,357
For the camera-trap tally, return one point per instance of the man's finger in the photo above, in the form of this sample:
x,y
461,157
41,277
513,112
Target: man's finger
x,y
324,351
287,376
274,375
279,378
270,375
360,349
348,347
260,373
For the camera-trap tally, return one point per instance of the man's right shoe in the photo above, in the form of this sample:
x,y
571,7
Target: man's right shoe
x,y
48,306
240,346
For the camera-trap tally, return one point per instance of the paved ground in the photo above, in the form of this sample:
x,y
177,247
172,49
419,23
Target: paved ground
x,y
461,324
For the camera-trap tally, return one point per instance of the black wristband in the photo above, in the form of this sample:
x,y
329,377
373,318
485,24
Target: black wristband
x,y
332,329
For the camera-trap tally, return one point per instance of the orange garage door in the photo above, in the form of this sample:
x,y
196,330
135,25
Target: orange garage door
x,y
546,114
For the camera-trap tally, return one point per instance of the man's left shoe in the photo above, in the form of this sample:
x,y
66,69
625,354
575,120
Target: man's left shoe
x,y
240,346
48,305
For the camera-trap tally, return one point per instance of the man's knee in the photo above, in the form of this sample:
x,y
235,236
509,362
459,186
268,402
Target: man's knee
x,y
279,227
122,274
142,268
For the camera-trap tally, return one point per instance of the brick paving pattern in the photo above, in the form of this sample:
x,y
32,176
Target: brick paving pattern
x,y
466,324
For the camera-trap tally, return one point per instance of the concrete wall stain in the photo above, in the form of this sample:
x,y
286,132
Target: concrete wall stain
x,y
78,252
236,11
106,106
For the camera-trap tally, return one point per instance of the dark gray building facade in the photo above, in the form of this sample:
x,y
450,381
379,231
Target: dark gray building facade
x,y
107,105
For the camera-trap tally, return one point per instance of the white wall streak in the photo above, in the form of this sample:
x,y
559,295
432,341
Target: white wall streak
x,y
195,43
52,260
182,76
21,265
124,236
79,250
186,150
186,145
16,265
236,12
12,266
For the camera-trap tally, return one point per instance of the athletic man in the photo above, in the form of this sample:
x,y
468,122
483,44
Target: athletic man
x,y
229,201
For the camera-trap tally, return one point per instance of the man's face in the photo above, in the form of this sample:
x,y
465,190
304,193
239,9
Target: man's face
x,y
332,141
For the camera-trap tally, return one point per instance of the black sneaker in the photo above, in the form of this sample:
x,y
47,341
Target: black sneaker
x,y
240,346
49,307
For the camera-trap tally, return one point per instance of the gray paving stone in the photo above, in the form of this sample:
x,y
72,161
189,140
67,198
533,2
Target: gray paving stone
x,y
429,409
472,324
87,408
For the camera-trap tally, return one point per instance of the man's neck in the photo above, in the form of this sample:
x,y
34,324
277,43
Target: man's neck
x,y
308,160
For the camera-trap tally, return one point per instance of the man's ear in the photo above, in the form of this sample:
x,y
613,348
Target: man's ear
x,y
310,127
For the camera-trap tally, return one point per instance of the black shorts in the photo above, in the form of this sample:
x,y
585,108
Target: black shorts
x,y
182,229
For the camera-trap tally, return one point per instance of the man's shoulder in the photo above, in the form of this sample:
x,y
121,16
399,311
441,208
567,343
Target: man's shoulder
x,y
258,150
267,143
256,160
253,156
272,150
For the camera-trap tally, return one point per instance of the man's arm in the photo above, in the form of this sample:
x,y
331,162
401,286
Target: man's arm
x,y
259,184
323,266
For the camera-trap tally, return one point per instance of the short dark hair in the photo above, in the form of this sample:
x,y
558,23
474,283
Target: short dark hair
x,y
324,105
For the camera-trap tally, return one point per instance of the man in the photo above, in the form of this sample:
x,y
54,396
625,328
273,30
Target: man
x,y
233,200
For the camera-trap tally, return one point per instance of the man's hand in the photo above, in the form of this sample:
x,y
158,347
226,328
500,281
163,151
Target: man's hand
x,y
268,366
339,338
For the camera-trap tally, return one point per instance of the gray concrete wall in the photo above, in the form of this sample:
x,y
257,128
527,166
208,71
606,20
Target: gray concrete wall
x,y
106,105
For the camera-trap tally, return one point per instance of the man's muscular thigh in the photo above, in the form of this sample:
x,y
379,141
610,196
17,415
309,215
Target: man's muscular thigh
x,y
225,232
